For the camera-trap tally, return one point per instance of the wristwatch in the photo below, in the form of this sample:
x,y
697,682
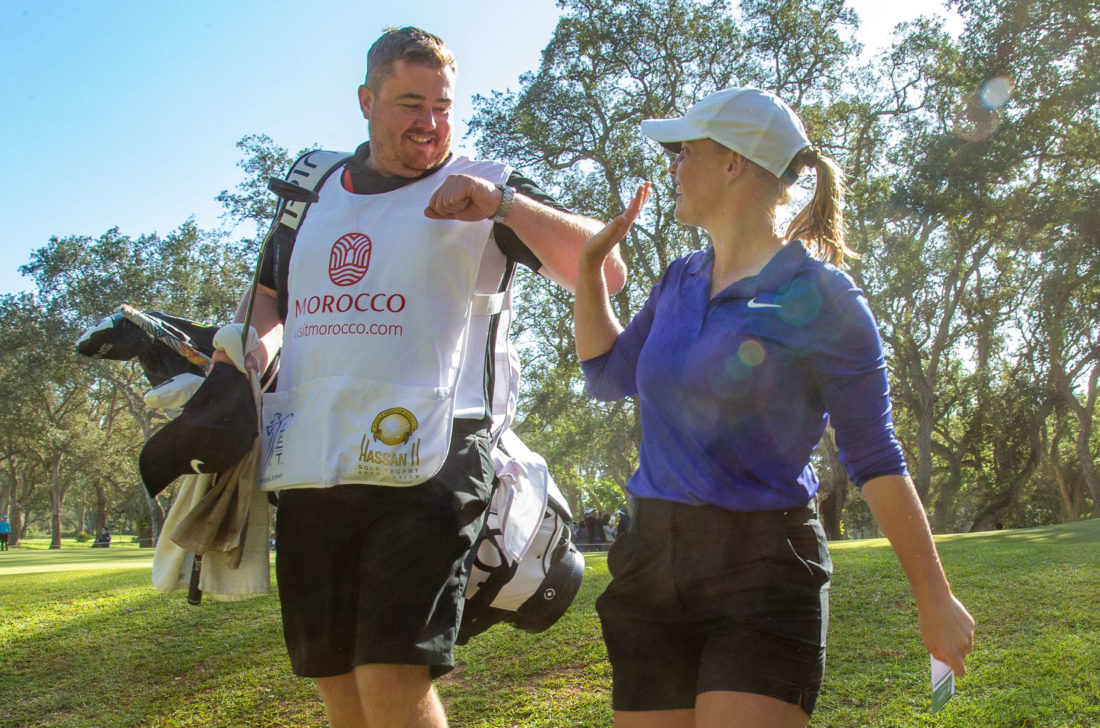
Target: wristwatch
x,y
507,195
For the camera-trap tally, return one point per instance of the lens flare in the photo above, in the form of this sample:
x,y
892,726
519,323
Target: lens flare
x,y
996,92
979,115
751,353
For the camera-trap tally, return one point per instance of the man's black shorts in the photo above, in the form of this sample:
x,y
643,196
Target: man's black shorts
x,y
373,574
704,599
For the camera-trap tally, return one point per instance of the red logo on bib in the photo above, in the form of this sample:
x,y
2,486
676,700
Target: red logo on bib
x,y
349,259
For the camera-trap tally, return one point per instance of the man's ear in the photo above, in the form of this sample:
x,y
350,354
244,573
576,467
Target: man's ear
x,y
366,99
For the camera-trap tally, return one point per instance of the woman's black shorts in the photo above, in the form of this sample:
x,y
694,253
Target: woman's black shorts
x,y
704,599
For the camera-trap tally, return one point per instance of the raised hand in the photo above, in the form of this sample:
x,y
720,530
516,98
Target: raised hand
x,y
599,246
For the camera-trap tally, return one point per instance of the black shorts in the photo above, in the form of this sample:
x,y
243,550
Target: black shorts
x,y
376,575
704,599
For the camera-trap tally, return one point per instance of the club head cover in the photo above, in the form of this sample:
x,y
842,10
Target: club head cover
x,y
114,337
214,431
160,363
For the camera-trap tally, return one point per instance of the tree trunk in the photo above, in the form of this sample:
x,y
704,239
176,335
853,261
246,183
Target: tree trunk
x,y
57,500
987,517
1069,491
923,479
943,515
1088,468
152,528
99,518
834,489
55,523
1085,414
1084,453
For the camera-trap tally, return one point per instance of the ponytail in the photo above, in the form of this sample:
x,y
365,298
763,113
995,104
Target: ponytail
x,y
821,223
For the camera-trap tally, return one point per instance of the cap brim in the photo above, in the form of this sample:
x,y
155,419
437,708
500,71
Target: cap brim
x,y
671,133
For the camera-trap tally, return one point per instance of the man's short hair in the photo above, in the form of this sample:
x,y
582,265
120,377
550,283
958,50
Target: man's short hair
x,y
408,44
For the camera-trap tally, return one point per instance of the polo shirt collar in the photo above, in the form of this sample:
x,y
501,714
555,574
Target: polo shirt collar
x,y
364,180
773,278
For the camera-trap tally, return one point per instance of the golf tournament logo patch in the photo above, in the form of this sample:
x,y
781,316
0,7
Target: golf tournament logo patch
x,y
349,259
398,458
394,426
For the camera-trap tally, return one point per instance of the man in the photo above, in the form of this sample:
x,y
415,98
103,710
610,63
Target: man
x,y
384,381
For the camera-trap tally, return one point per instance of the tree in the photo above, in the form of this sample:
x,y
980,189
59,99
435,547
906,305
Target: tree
x,y
189,273
992,173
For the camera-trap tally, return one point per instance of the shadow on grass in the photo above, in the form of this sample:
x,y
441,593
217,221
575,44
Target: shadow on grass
x,y
102,648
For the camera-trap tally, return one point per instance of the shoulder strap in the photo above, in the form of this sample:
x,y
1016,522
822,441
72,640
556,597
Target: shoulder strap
x,y
310,171
493,305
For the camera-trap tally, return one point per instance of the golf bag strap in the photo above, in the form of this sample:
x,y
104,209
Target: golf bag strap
x,y
310,171
492,305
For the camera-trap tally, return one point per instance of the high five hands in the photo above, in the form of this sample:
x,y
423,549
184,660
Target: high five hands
x,y
600,245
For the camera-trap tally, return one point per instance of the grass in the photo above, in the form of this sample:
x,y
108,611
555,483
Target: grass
x,y
86,642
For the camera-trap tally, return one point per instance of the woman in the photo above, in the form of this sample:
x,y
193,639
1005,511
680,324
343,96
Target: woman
x,y
718,605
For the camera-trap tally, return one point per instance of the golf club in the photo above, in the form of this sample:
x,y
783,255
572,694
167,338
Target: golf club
x,y
160,333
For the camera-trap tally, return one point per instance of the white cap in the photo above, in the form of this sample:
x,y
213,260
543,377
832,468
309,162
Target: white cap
x,y
754,123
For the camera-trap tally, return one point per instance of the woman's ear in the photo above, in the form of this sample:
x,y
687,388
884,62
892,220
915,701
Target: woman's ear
x,y
735,164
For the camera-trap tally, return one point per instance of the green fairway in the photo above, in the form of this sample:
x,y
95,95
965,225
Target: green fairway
x,y
90,644
34,556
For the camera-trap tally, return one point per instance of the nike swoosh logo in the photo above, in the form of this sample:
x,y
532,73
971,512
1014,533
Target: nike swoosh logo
x,y
754,304
195,464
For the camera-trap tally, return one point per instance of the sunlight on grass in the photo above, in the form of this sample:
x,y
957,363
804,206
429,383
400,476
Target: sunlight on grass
x,y
98,648
34,556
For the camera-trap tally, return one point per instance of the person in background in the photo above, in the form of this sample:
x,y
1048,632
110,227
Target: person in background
x,y
623,524
5,531
718,603
103,540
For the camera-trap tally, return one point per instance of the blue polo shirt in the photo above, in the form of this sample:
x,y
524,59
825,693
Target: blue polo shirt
x,y
735,391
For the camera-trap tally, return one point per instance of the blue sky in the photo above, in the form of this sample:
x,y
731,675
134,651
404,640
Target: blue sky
x,y
127,112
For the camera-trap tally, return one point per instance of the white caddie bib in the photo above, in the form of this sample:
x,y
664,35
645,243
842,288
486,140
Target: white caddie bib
x,y
377,323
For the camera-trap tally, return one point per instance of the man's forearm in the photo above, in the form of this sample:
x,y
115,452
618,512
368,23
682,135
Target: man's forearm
x,y
558,238
555,237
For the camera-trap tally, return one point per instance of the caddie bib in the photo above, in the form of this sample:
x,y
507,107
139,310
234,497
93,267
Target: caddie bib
x,y
377,324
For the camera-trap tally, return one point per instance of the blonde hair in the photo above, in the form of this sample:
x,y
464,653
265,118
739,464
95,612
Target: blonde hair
x,y
820,224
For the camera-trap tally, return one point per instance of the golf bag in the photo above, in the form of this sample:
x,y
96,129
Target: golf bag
x,y
526,569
